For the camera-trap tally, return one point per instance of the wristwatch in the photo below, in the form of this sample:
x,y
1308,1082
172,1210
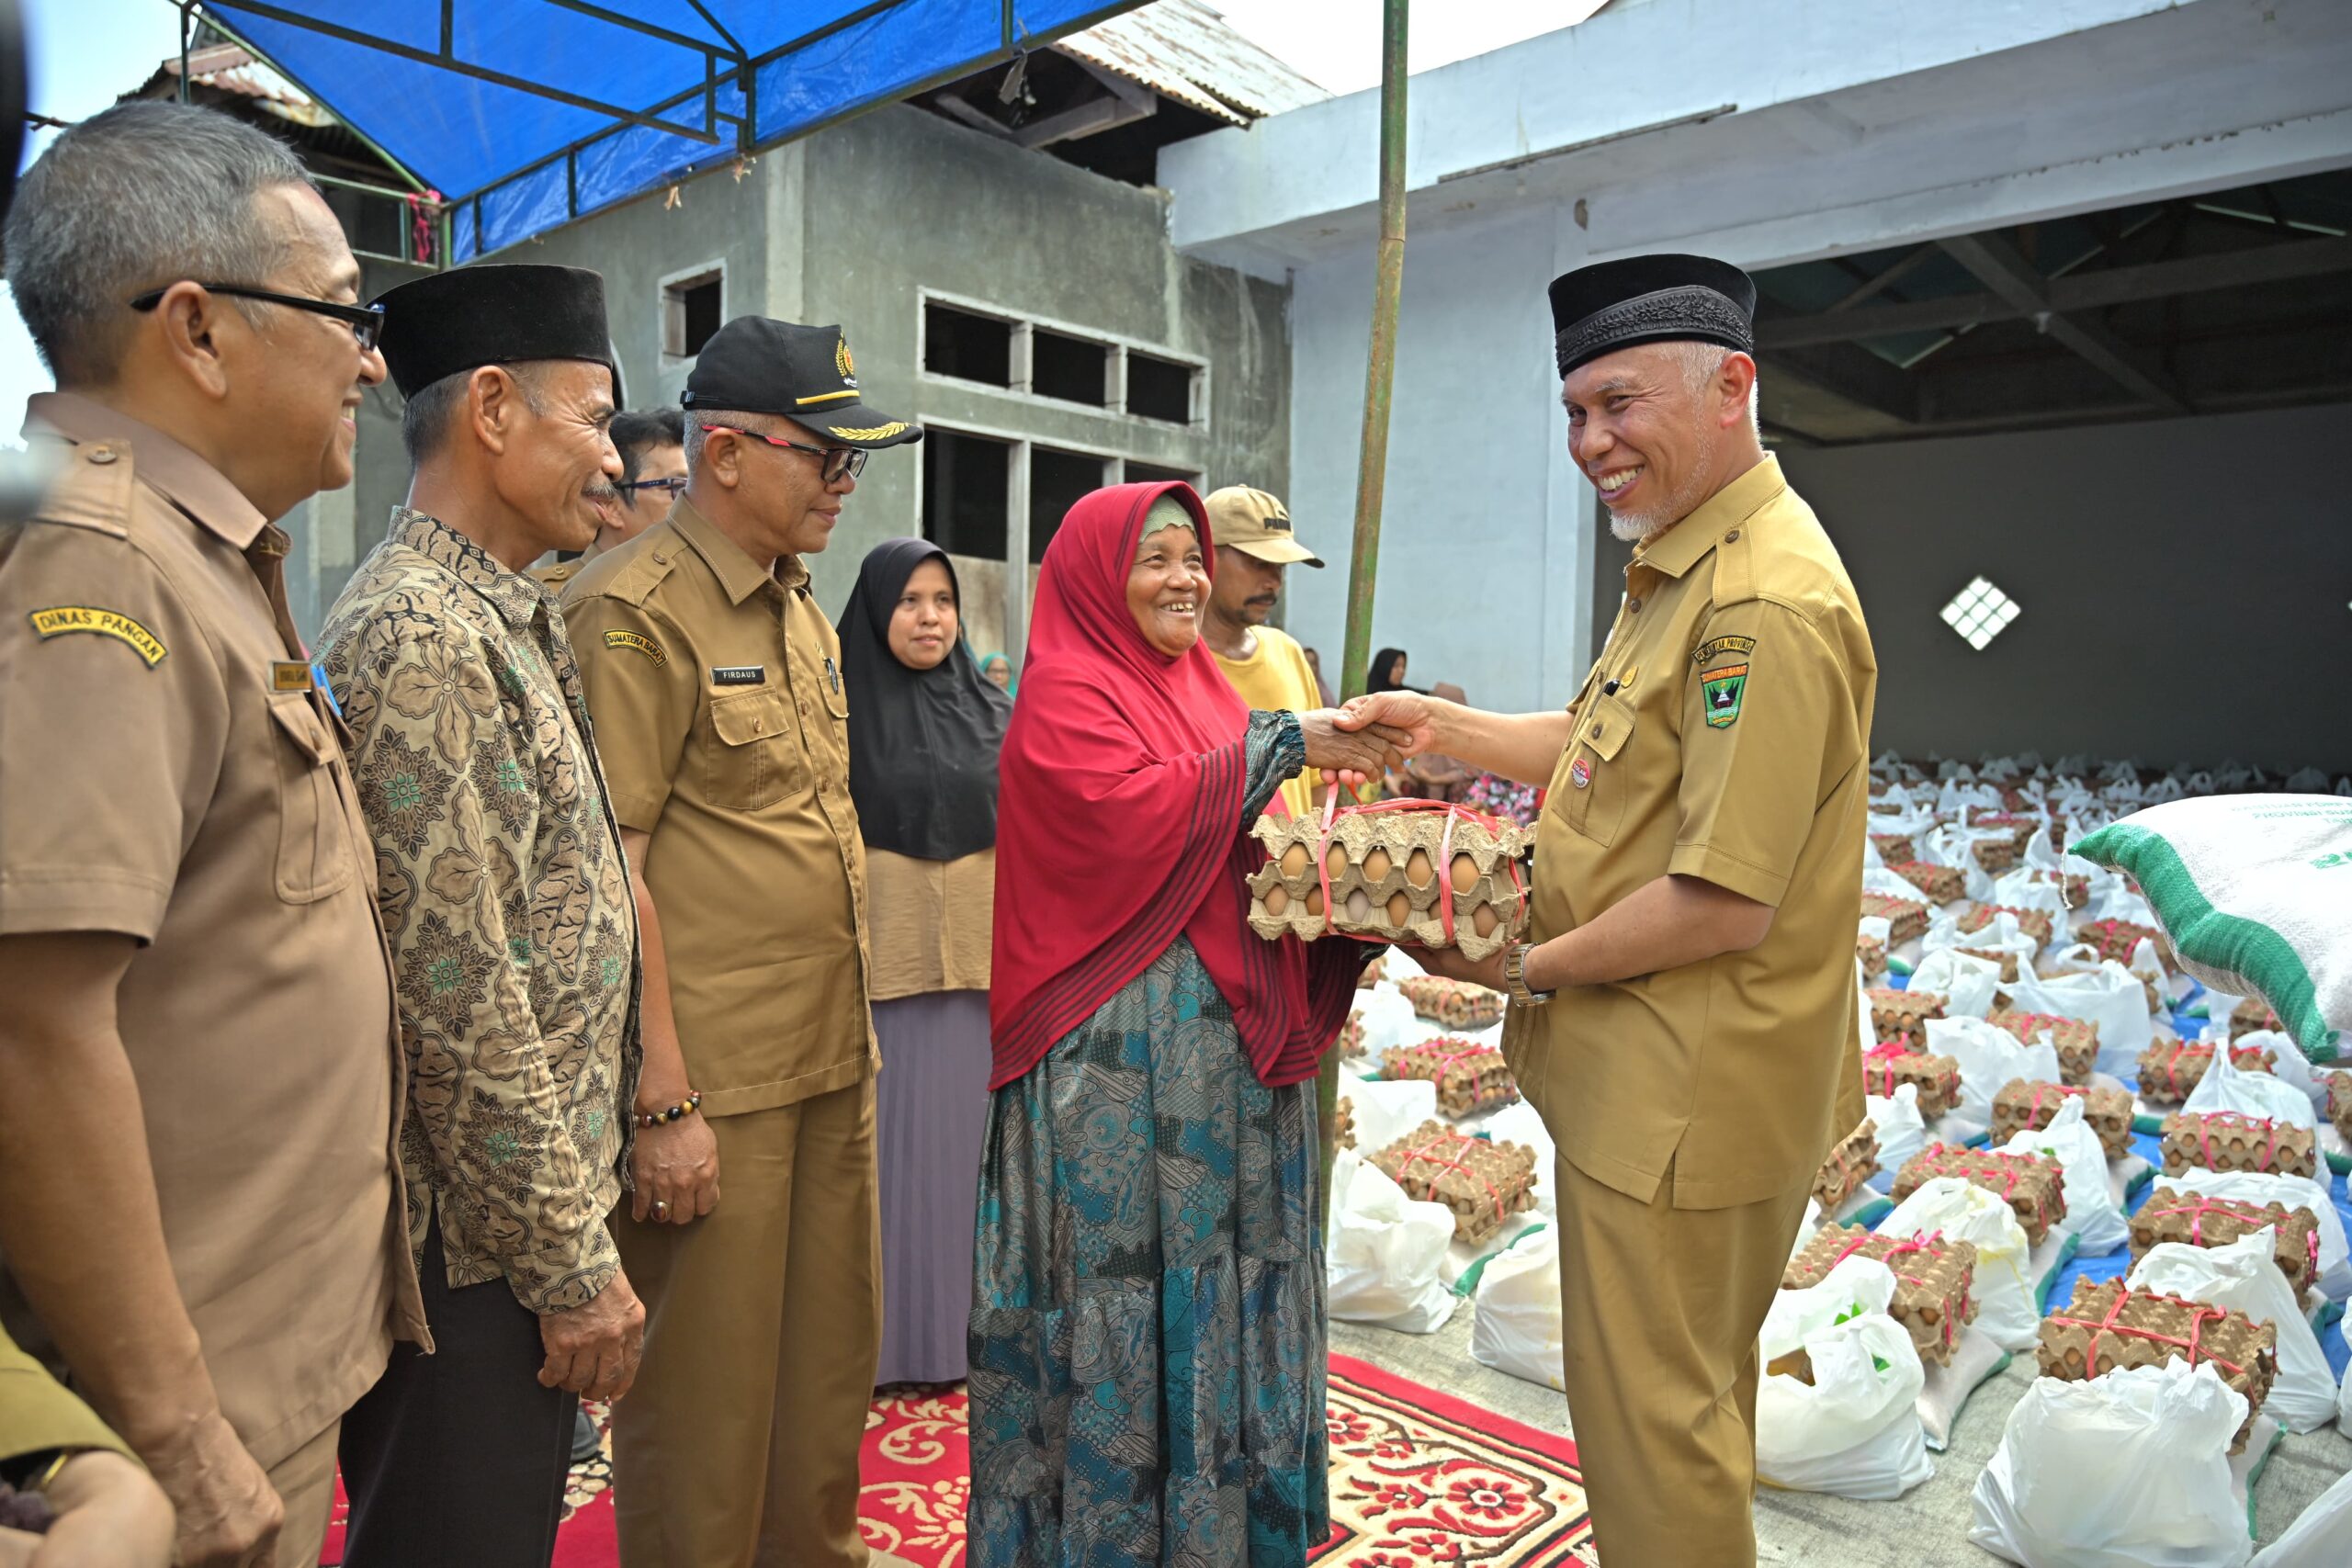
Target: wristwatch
x,y
1515,975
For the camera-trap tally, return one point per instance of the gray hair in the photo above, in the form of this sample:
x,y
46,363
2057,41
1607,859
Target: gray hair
x,y
697,438
426,420
143,194
1701,362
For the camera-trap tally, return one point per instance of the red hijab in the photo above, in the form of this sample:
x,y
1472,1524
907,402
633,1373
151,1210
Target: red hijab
x,y
1119,820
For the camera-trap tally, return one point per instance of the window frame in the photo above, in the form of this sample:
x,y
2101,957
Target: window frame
x,y
712,269
1021,387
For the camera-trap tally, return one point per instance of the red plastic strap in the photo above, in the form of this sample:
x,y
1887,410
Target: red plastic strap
x,y
2033,1109
1454,1141
2206,1122
1428,1047
1442,872
2250,1214
1885,1053
2199,1312
1931,1245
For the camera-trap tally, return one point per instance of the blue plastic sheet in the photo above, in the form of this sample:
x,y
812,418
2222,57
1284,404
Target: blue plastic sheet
x,y
533,141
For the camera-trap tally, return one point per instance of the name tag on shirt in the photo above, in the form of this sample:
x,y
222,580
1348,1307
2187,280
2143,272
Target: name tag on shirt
x,y
289,677
739,674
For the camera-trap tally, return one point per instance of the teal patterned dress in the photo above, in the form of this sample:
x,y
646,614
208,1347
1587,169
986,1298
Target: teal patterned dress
x,y
1147,1331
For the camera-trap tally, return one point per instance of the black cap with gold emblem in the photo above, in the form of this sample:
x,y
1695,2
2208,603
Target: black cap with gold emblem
x,y
754,365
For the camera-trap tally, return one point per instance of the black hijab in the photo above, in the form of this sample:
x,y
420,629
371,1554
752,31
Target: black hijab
x,y
1376,678
923,743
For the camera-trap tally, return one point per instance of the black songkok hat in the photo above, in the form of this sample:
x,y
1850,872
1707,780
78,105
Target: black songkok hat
x,y
753,365
450,323
1612,305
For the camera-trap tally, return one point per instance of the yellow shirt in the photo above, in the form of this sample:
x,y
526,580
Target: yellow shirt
x,y
1723,734
1276,678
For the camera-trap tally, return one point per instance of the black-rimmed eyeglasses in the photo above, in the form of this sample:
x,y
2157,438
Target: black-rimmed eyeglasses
x,y
671,486
841,462
366,321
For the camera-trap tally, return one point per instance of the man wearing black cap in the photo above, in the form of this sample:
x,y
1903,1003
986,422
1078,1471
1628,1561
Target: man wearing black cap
x,y
716,685
513,926
1683,1009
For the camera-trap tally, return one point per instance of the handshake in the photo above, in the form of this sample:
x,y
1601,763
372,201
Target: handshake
x,y
1369,735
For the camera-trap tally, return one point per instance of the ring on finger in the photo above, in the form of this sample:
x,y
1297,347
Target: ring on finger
x,y
660,1208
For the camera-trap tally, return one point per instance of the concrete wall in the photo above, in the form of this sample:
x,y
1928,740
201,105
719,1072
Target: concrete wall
x,y
2186,585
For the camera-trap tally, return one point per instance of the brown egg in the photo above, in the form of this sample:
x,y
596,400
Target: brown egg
x,y
1417,869
1466,873
1295,860
1400,910
1277,899
1335,863
1483,920
1315,901
1376,864
1358,908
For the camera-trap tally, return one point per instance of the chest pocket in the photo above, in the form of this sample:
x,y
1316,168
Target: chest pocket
x,y
314,849
1604,731
755,760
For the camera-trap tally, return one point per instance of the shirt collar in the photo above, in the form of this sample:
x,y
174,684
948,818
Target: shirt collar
x,y
1682,546
739,575
517,598
186,481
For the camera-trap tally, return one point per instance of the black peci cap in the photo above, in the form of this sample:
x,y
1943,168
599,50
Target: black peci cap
x,y
457,321
754,365
1600,309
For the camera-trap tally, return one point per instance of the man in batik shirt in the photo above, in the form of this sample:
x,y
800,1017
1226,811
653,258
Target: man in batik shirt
x,y
508,905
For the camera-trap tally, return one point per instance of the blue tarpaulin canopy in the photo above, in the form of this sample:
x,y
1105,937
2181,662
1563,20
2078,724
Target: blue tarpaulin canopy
x,y
525,113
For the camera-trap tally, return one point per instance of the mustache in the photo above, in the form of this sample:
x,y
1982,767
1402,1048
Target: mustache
x,y
602,492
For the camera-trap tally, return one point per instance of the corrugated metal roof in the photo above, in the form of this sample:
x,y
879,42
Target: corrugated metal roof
x,y
227,68
1185,50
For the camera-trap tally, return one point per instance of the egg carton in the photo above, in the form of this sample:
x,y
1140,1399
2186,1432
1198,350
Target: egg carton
x,y
1352,1034
2195,1220
2118,939
2000,958
2033,1187
1906,918
1852,1163
1470,1077
2023,1106
2339,1105
1483,1183
1995,855
1934,1276
1895,848
1938,884
2021,828
1343,1123
2171,1069
1373,973
2077,1039
2109,1326
1393,876
2035,923
1901,1016
1872,952
1455,1004
2251,1014
2229,1140
1935,1079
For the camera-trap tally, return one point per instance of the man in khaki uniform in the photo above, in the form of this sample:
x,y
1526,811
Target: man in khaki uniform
x,y
715,683
199,1196
653,445
1683,1009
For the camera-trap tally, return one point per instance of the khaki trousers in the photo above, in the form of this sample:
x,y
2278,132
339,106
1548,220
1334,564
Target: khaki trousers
x,y
304,1481
737,1447
1660,1309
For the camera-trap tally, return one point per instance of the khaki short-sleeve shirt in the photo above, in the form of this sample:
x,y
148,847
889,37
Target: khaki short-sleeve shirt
x,y
171,772
1723,734
717,693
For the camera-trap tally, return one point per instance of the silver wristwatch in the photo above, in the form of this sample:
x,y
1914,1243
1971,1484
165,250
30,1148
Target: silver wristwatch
x,y
1515,975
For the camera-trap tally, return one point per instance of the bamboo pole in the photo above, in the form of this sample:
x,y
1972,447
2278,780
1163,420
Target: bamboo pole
x,y
1380,374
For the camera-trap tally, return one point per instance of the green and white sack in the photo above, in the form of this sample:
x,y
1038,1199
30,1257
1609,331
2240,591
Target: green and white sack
x,y
2255,893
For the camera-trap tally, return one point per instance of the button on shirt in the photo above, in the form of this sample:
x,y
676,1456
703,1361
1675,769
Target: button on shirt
x,y
1731,748
169,773
717,696
508,899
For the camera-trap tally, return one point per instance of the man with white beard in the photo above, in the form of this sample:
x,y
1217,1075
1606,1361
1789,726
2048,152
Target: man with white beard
x,y
1682,1010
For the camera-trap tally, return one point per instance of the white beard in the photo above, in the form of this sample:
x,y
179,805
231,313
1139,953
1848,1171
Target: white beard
x,y
1636,527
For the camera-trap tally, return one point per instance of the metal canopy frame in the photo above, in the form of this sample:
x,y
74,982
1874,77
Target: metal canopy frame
x,y
725,65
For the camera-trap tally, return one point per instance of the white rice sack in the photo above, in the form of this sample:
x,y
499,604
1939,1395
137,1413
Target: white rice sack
x,y
1382,1259
1516,1330
1385,1111
2252,890
1988,1057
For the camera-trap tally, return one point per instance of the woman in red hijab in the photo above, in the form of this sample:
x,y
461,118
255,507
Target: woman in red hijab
x,y
1146,1337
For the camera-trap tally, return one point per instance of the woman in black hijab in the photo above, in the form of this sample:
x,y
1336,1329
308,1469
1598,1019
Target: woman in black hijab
x,y
924,730
1387,672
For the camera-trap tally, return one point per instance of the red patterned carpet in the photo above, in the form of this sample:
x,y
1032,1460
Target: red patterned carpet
x,y
1418,1478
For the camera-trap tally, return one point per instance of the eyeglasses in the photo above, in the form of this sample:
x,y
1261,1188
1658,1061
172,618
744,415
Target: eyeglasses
x,y
841,462
673,484
366,321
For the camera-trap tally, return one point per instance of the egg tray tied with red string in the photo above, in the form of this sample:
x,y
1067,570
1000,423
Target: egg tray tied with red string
x,y
1933,1275
1393,876
1483,1183
1470,1077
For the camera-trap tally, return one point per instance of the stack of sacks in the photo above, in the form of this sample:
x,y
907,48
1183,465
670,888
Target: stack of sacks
x,y
1988,1058
2171,1218
2090,1211
2170,1070
1842,1417
2130,1469
1382,1261
2111,1325
2034,1186
2003,1285
1516,1330
2022,1107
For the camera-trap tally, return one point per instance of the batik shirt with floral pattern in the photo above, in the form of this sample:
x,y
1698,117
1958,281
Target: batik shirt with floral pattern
x,y
508,905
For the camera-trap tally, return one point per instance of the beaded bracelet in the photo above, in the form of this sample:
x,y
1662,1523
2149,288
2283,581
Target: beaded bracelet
x,y
678,1112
